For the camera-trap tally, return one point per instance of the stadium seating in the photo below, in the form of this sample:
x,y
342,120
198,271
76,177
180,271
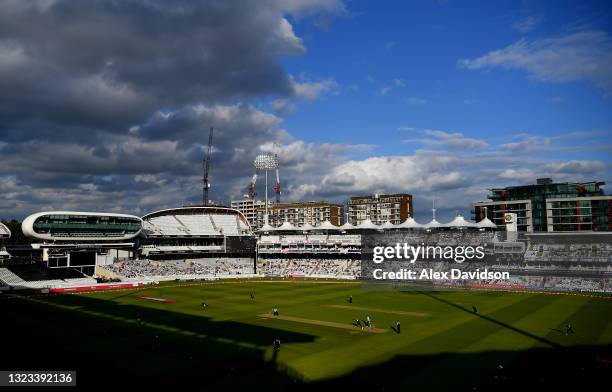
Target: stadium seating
x,y
182,269
315,243
9,278
310,267
228,224
560,283
166,225
193,225
569,253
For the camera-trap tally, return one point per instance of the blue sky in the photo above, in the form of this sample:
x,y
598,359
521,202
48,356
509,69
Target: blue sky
x,y
107,105
421,43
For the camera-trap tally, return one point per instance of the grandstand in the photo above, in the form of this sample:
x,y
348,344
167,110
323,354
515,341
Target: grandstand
x,y
310,243
545,261
589,248
196,232
329,267
79,241
195,242
96,244
186,269
4,234
318,254
367,226
572,253
196,221
34,276
211,242
553,261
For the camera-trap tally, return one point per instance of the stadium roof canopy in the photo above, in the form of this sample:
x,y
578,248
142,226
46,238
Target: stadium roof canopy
x,y
327,225
197,210
433,224
458,222
286,226
346,226
267,227
409,223
367,225
486,223
306,227
4,231
388,225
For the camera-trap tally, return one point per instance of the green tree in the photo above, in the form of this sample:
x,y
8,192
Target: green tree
x,y
17,237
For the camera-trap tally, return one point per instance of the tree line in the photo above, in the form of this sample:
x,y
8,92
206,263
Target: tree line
x,y
17,237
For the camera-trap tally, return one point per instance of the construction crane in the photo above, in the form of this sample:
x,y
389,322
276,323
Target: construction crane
x,y
205,184
277,187
251,189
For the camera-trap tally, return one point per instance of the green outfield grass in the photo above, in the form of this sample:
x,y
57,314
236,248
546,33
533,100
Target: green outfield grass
x,y
513,340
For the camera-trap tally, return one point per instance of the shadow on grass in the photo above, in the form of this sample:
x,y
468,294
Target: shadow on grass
x,y
104,343
541,369
547,365
492,320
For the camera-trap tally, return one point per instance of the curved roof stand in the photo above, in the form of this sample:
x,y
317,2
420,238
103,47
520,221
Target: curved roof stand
x,y
410,223
197,210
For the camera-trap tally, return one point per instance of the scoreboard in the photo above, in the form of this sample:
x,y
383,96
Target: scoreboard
x,y
240,244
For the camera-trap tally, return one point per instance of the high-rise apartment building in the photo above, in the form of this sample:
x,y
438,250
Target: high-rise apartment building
x,y
312,212
253,210
549,206
395,208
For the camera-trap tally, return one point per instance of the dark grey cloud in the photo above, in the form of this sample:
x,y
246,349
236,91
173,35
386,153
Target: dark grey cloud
x,y
105,65
107,104
164,155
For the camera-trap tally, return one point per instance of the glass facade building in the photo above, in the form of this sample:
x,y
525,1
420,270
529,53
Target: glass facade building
x,y
94,226
549,206
578,214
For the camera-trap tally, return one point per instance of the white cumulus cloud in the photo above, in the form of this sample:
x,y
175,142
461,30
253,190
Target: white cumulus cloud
x,y
585,55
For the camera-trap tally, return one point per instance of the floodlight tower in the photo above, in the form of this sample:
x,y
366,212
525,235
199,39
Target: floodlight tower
x,y
267,162
205,183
